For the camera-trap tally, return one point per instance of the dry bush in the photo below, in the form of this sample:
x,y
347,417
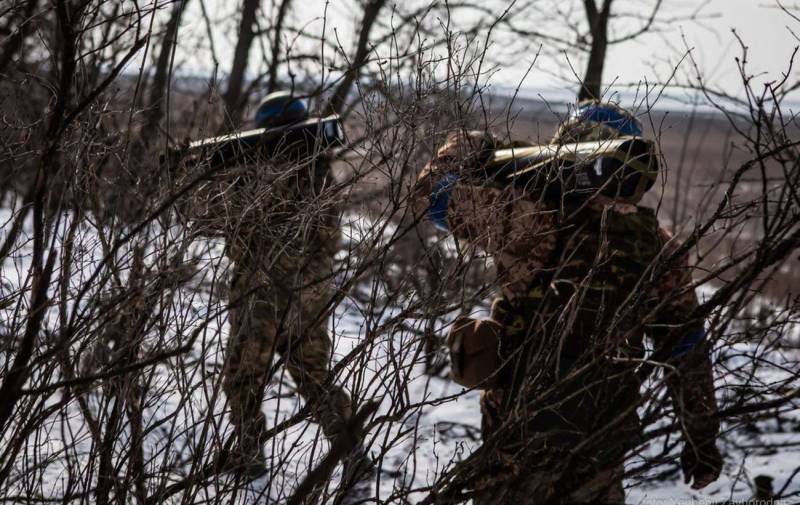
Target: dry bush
x,y
114,297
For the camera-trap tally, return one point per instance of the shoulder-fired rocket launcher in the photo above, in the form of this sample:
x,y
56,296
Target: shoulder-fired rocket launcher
x,y
623,168
307,137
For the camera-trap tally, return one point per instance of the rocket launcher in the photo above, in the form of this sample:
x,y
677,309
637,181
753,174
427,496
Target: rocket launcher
x,y
309,137
624,168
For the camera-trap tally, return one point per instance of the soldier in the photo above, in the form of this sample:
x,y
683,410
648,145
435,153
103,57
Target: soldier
x,y
579,285
281,234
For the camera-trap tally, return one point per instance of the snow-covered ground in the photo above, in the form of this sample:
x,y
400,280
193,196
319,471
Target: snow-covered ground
x,y
424,423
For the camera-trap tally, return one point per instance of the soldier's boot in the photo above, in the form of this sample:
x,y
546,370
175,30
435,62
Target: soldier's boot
x,y
358,466
246,454
333,411
358,477
248,465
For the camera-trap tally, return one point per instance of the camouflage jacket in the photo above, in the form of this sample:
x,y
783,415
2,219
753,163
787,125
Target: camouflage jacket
x,y
270,213
593,283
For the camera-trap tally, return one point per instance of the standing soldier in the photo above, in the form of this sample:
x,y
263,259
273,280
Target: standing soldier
x,y
580,282
281,231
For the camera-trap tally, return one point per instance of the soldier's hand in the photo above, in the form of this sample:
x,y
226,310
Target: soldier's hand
x,y
701,464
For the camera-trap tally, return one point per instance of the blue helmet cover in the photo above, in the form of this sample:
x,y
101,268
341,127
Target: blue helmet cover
x,y
276,112
610,117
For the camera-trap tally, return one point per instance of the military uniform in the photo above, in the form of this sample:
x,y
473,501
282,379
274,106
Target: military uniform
x,y
579,286
281,233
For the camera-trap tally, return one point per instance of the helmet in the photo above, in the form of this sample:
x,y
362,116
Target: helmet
x,y
280,109
595,120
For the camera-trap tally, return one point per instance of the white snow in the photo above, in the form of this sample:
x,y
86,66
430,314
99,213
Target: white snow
x,y
427,423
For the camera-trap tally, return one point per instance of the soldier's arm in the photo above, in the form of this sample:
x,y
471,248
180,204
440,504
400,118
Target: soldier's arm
x,y
498,220
680,339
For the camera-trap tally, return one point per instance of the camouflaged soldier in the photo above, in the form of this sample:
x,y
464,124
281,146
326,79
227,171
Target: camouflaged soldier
x,y
579,286
281,234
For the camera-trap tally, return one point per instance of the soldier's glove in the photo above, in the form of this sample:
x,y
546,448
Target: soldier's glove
x,y
464,150
463,155
701,463
473,345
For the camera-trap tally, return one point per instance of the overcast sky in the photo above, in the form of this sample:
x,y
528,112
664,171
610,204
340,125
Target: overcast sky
x,y
765,29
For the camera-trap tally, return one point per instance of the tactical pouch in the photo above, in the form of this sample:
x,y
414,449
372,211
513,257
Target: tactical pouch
x,y
473,347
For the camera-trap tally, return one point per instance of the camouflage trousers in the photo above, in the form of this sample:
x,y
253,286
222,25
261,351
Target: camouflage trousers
x,y
268,322
532,471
